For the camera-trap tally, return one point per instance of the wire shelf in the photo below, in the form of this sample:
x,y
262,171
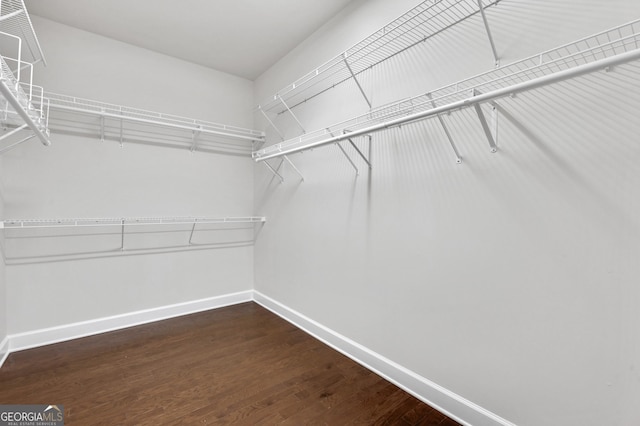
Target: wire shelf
x,y
124,221
612,47
20,99
15,20
87,106
424,21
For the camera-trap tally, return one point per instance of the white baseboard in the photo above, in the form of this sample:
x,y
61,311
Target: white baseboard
x,y
32,339
449,403
4,350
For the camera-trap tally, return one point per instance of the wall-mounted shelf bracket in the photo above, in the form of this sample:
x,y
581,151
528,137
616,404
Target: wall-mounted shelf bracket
x,y
345,152
275,171
364,95
102,127
121,131
360,153
494,118
13,132
292,114
294,167
348,158
271,122
485,126
488,29
446,132
15,144
194,139
193,228
122,235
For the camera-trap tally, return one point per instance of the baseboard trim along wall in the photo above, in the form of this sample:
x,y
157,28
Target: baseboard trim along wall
x,y
4,350
32,339
449,403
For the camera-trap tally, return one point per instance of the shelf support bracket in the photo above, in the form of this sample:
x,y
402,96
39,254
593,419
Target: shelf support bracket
x,y
121,131
345,153
348,158
485,127
194,139
10,147
266,163
292,114
193,228
344,58
366,160
102,128
294,167
446,132
271,122
13,132
122,235
495,115
486,27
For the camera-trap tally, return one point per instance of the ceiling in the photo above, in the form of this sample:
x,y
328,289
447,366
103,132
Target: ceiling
x,y
240,37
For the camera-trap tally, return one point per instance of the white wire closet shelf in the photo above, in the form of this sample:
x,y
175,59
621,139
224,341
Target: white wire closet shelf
x,y
601,51
15,20
21,102
38,240
119,114
94,222
424,21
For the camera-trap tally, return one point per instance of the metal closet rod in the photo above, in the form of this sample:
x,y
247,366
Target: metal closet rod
x,y
470,101
123,221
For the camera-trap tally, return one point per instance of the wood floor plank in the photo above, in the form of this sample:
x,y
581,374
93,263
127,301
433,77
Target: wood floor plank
x,y
235,365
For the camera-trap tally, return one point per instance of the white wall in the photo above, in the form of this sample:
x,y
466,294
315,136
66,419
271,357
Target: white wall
x,y
3,282
83,177
511,279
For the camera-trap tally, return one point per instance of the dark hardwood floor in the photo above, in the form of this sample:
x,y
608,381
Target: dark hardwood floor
x,y
235,365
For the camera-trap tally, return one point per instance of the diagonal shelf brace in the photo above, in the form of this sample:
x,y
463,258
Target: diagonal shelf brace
x,y
266,163
364,157
193,228
485,127
488,29
344,58
360,152
13,145
121,131
345,153
271,122
102,126
292,114
348,158
494,119
446,132
294,167
194,138
13,132
122,235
